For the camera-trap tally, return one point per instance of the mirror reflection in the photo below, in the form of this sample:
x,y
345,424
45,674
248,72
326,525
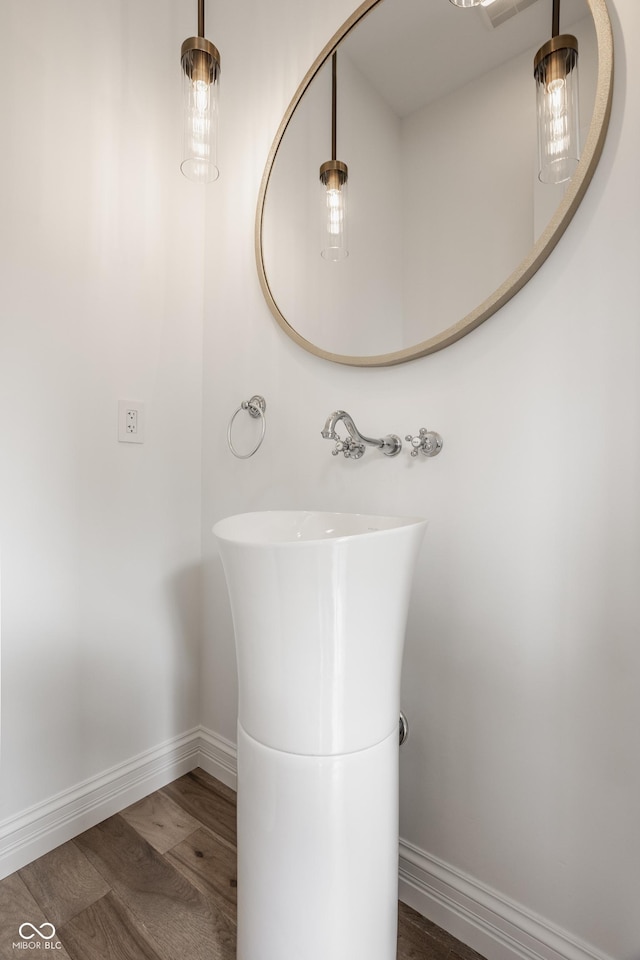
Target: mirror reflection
x,y
435,118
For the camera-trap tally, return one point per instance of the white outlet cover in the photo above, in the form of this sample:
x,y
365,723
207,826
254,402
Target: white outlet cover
x,y
124,436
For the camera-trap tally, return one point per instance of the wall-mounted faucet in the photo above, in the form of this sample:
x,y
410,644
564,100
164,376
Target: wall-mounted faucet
x,y
355,444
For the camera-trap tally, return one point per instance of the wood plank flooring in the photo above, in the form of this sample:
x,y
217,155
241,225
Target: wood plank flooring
x,y
158,882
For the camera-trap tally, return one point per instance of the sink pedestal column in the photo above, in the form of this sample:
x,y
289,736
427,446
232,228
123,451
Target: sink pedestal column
x,y
319,605
317,853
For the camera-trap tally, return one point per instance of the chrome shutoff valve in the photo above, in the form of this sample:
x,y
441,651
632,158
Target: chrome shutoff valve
x,y
349,448
427,442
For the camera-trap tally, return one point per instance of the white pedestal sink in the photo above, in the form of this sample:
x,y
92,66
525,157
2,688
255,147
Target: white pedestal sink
x,y
319,604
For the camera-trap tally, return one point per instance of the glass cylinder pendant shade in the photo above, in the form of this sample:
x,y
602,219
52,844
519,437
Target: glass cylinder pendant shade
x,y
466,3
333,181
556,75
201,76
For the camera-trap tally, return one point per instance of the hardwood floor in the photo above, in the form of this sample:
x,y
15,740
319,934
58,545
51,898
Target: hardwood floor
x,y
157,882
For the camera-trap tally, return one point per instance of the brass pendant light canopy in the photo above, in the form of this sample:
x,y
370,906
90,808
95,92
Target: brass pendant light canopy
x,y
334,171
200,59
565,41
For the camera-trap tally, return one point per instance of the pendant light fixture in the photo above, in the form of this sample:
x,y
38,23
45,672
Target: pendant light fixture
x,y
333,178
201,74
466,3
555,68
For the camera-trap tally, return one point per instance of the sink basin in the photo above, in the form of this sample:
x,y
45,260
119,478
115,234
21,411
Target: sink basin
x,y
319,603
295,526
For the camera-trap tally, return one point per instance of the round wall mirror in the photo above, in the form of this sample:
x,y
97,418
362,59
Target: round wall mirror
x,y
433,111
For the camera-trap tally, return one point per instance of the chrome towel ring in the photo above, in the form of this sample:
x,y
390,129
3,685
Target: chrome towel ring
x,y
256,407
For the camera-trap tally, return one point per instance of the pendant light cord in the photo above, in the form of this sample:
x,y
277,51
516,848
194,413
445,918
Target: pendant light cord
x,y
334,104
555,22
201,18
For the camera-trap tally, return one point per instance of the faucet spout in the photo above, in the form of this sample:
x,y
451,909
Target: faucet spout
x,y
389,445
329,432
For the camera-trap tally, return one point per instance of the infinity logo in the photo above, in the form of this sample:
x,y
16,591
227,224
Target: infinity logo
x,y
39,931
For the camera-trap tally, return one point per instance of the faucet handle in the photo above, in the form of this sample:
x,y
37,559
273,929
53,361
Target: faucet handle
x,y
427,442
349,448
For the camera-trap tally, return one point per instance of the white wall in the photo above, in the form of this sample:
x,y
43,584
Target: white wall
x,y
522,659
101,286
455,160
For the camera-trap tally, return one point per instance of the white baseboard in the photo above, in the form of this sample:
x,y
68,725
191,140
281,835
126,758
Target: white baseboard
x,y
480,917
41,828
218,757
476,915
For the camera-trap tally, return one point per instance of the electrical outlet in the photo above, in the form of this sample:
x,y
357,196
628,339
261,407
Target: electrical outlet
x,y
130,421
